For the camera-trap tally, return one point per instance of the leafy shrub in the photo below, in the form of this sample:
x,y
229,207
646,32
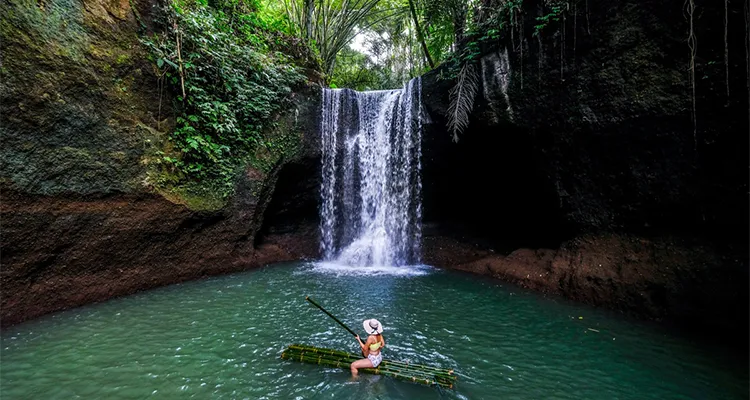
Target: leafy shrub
x,y
218,60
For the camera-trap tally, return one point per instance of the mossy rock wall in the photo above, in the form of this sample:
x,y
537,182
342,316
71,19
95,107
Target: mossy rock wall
x,y
79,102
82,118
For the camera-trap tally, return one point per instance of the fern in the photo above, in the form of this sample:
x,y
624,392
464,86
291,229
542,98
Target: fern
x,y
462,99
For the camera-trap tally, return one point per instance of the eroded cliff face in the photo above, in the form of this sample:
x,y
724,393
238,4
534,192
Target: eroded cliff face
x,y
600,107
583,168
79,106
82,117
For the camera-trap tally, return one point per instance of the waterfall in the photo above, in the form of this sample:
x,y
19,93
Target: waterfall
x,y
371,212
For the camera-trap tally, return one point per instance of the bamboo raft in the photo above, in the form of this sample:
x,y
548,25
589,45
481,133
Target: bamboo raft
x,y
395,369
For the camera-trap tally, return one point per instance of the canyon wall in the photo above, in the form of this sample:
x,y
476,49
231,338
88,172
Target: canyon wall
x,y
583,172
83,121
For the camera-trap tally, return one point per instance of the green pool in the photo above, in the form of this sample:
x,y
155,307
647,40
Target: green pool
x,y
222,337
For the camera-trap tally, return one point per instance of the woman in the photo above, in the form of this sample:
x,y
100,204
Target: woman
x,y
371,348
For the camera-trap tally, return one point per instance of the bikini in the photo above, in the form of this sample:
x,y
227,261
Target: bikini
x,y
375,359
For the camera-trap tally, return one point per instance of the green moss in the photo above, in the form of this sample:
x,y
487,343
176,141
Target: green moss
x,y
57,61
87,133
282,142
56,25
123,58
72,153
197,197
118,156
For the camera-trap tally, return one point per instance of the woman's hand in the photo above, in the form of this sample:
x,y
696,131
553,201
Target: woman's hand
x,y
362,346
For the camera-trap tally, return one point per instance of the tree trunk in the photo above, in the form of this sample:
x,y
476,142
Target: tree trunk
x,y
419,34
459,24
309,10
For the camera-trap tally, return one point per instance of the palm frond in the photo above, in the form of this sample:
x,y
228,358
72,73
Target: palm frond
x,y
329,25
462,99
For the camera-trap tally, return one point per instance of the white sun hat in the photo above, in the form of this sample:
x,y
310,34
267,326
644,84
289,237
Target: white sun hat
x,y
372,325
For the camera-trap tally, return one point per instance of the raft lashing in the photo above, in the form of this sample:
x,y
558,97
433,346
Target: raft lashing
x,y
423,374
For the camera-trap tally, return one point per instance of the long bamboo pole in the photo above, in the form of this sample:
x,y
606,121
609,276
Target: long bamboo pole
x,y
330,315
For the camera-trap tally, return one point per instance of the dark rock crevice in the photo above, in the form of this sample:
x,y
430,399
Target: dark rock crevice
x,y
488,188
295,200
291,219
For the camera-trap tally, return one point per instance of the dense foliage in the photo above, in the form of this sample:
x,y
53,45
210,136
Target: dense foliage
x,y
227,67
373,44
220,60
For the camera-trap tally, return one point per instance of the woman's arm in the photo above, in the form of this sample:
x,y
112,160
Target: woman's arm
x,y
364,346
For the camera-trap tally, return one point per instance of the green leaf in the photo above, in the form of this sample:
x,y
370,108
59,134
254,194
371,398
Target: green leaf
x,y
171,64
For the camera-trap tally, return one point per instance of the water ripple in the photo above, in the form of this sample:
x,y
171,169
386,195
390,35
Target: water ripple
x,y
222,337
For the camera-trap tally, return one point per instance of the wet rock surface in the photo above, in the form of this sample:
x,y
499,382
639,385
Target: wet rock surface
x,y
586,175
62,252
81,118
690,284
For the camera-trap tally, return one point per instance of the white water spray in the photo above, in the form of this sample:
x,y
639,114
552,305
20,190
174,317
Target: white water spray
x,y
371,186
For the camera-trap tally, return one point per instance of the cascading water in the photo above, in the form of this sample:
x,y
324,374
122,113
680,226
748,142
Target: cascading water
x,y
371,208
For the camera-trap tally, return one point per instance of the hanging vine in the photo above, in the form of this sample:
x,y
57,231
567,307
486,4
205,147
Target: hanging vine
x,y
554,12
575,30
541,59
726,44
692,45
512,24
523,39
588,24
747,56
562,48
516,22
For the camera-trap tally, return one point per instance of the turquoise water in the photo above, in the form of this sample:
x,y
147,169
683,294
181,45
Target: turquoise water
x,y
222,337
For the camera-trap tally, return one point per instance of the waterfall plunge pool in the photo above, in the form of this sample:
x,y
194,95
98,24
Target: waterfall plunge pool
x,y
222,338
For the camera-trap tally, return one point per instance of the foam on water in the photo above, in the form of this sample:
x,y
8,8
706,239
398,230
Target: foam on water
x,y
339,269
